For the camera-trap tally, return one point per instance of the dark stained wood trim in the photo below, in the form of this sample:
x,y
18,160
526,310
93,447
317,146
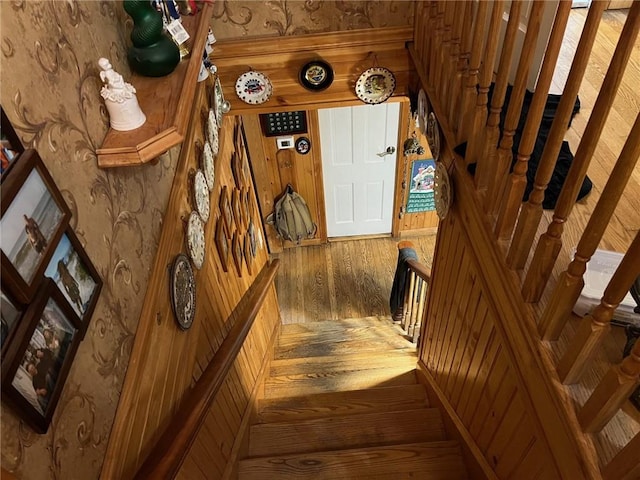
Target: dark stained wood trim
x,y
422,271
174,444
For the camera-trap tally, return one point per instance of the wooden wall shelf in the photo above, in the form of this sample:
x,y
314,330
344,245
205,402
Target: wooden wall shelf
x,y
167,103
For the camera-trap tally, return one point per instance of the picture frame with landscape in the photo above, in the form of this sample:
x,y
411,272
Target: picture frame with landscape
x,y
39,357
75,276
34,217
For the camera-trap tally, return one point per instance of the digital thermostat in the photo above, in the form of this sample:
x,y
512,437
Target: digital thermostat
x,y
284,142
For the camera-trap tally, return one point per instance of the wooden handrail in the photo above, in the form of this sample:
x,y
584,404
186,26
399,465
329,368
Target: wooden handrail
x,y
169,453
422,271
570,284
596,325
550,242
531,212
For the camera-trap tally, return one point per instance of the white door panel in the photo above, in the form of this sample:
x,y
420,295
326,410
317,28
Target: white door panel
x,y
359,183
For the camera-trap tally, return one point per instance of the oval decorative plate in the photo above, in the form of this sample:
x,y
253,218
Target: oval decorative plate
x,y
253,88
433,135
442,191
218,101
201,195
423,111
316,75
208,165
212,131
375,85
183,291
195,239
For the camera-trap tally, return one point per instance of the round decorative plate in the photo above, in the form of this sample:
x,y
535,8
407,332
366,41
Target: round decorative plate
x,y
212,131
253,88
208,165
442,191
303,145
433,135
423,111
316,75
195,239
183,291
375,85
201,195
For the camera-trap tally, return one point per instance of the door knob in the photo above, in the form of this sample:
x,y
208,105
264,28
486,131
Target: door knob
x,y
388,151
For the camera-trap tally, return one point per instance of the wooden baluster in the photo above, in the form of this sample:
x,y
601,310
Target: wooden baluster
x,y
451,62
612,391
567,290
504,155
435,59
514,190
461,66
470,78
423,300
486,161
409,300
550,242
626,464
531,211
474,144
595,326
443,58
415,305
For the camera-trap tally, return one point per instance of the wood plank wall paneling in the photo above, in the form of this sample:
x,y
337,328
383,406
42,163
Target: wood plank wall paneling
x,y
165,360
281,58
463,352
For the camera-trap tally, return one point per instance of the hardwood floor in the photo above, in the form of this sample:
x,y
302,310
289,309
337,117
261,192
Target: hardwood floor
x,y
339,280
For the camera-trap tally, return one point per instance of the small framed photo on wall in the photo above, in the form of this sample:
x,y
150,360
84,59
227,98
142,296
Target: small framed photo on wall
x,y
11,313
10,144
75,276
39,357
34,217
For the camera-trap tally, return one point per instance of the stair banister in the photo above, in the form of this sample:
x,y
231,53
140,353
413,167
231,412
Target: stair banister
x,y
550,242
170,451
531,212
625,465
570,284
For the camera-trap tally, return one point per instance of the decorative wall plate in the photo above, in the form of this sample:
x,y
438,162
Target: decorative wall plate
x,y
208,165
433,135
212,131
183,291
219,100
316,75
253,88
303,145
195,239
201,195
375,85
423,111
443,191
251,234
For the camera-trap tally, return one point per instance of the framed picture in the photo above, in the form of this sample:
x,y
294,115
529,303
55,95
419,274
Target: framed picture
x,y
236,169
34,217
72,271
11,314
246,170
246,205
226,212
39,357
236,250
222,244
10,144
236,206
248,257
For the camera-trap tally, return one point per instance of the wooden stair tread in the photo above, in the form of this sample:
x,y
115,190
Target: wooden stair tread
x,y
385,399
343,363
307,384
425,461
350,431
381,324
334,346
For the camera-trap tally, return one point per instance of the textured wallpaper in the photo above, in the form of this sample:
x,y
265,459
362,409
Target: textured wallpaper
x,y
49,88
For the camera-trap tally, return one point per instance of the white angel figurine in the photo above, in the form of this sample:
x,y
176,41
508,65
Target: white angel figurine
x,y
120,99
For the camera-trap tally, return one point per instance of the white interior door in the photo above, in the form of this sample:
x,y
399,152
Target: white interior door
x,y
359,167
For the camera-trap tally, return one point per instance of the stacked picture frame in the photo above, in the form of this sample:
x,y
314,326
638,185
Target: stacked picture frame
x,y
50,289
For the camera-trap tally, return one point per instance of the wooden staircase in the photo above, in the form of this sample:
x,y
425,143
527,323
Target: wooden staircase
x,y
342,402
